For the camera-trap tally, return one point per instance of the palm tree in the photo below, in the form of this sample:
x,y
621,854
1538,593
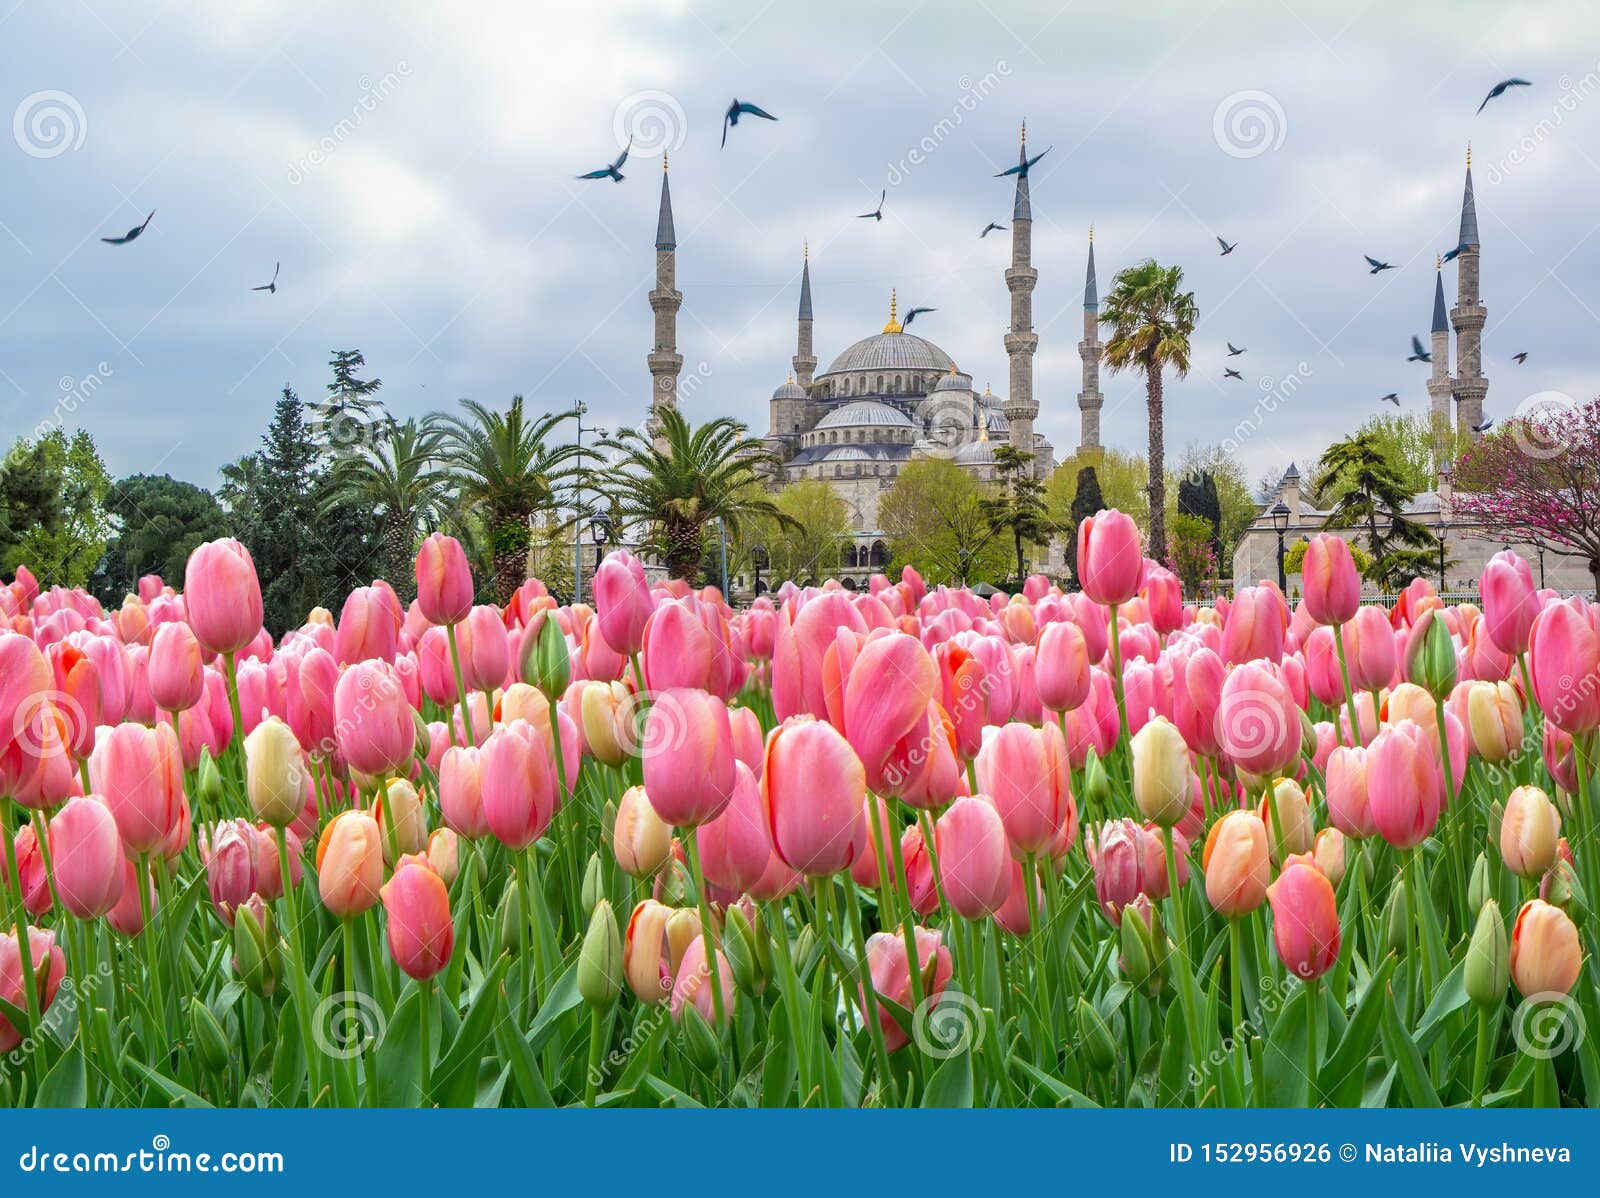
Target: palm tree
x,y
1151,321
398,476
683,478
504,467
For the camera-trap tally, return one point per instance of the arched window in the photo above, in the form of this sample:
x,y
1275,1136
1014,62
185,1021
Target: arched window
x,y
898,385
879,556
880,384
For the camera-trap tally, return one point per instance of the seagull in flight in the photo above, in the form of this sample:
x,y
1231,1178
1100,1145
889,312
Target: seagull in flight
x,y
1499,89
132,234
1231,374
1022,167
1226,248
1519,359
990,228
1376,265
1418,354
912,315
1390,398
1484,427
1452,255
1233,350
738,109
876,213
614,171
272,287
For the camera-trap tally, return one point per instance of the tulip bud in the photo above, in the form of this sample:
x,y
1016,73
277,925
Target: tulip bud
x,y
1161,772
255,947
1096,783
674,886
1488,967
546,664
1397,918
741,946
806,947
1095,1037
210,784
594,883
215,1050
508,917
1529,831
1479,887
600,959
1144,947
1546,957
699,1041
275,773
1431,656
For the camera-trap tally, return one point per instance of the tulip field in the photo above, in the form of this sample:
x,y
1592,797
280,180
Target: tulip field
x,y
896,847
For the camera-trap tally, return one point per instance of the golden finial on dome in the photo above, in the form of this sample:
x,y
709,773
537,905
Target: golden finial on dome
x,y
791,376
894,325
952,370
987,393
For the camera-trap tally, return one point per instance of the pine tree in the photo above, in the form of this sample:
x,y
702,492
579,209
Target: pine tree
x,y
1369,492
1018,507
1086,501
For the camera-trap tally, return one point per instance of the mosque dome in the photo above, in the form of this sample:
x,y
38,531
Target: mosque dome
x,y
976,453
865,413
953,382
892,351
790,390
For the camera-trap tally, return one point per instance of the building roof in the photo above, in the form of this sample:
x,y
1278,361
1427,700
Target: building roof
x,y
976,453
865,413
1469,210
953,382
891,351
1091,291
1441,322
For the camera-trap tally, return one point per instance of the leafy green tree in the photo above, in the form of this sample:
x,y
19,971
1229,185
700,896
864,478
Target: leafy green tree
x,y
1236,506
398,476
1193,558
938,520
1018,505
505,469
679,479
811,543
52,508
158,521
1152,319
1368,492
240,488
1121,480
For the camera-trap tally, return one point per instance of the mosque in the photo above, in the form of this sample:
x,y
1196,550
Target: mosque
x,y
893,397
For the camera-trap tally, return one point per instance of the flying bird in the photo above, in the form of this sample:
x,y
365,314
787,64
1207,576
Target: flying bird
x,y
1519,359
1390,398
738,109
1499,89
132,233
614,171
1233,350
1376,265
1226,248
1022,167
912,315
1418,354
271,287
990,228
1231,374
1484,427
876,213
1452,255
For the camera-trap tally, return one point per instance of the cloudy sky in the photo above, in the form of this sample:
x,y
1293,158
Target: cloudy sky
x,y
411,165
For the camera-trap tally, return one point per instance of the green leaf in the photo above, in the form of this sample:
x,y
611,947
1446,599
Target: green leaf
x,y
1449,996
64,1085
1173,1070
455,1079
951,1084
1284,1060
1064,1094
180,1095
1344,1072
399,1054
1408,1059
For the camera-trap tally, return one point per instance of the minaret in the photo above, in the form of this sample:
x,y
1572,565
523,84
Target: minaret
x,y
1021,341
1090,400
805,361
665,360
1468,317
1440,385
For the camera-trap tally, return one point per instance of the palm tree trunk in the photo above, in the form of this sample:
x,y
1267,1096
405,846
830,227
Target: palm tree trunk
x,y
683,550
510,539
398,558
1157,459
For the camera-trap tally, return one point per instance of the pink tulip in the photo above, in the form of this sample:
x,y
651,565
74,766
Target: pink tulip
x,y
374,728
461,792
222,596
622,602
1305,920
1236,864
1257,723
444,580
34,880
518,782
1404,784
889,970
692,985
1013,913
886,700
484,648
1370,650
139,773
49,965
1257,621
177,674
688,755
813,788
736,846
803,639
974,857
1110,559
127,916
1564,651
1026,774
86,850
1332,584
1510,603
1061,667
350,864
421,936
1349,808
369,626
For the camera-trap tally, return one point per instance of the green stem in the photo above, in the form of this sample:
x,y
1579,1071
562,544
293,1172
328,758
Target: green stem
x,y
1480,1065
1349,695
692,847
461,685
591,1079
425,1046
864,976
19,915
1313,1097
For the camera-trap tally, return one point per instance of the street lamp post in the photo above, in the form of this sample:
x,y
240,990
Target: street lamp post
x,y
579,411
600,530
1280,523
1444,530
758,558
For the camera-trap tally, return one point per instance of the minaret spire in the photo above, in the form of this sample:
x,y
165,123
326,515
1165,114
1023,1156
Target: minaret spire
x,y
1468,316
805,360
1021,341
665,360
1090,401
1440,385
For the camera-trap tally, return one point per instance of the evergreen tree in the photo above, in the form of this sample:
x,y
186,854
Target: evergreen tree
x,y
1086,501
1369,492
352,417
1018,505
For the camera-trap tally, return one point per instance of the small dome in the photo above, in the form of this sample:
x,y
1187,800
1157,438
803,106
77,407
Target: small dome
x,y
995,421
976,453
846,453
790,390
953,382
865,413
